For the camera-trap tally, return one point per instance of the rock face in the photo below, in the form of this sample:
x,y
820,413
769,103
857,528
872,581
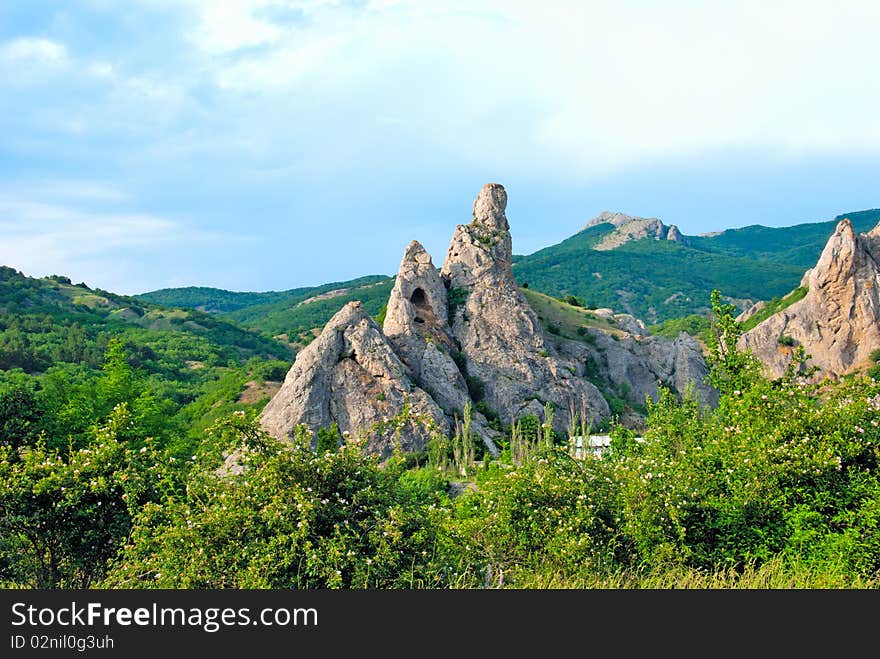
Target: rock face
x,y
632,366
417,326
466,334
837,321
628,228
507,361
351,375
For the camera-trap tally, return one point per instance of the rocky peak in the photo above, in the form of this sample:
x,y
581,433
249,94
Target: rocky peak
x,y
609,217
675,235
482,250
416,324
489,207
463,335
506,359
351,375
628,228
837,321
417,305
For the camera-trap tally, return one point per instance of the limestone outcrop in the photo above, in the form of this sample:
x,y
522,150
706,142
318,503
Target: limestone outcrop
x,y
506,357
838,321
633,366
465,335
628,228
351,375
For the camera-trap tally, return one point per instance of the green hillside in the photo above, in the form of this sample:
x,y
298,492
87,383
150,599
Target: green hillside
x,y
796,245
217,300
290,316
297,321
653,280
656,281
183,368
660,280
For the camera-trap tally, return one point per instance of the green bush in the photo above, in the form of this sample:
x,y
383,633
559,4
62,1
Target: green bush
x,y
293,518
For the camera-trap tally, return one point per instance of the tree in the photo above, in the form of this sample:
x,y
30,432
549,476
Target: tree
x,y
730,369
65,514
20,415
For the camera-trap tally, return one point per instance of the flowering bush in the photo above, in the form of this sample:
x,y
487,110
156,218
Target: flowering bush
x,y
277,515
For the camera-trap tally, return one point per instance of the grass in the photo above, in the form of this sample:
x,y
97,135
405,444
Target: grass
x,y
774,574
773,307
564,320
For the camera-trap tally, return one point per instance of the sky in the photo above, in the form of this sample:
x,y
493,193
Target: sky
x,y
261,145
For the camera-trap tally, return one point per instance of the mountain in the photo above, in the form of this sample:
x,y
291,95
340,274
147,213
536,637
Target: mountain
x,y
290,316
87,313
657,279
633,265
467,337
835,314
628,228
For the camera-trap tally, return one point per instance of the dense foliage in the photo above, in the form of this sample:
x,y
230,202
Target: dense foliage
x,y
121,476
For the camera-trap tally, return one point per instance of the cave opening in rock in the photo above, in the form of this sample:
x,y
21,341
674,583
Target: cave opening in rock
x,y
418,298
421,305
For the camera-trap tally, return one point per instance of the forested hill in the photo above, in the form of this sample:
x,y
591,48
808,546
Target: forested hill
x,y
218,301
51,320
292,316
70,354
658,280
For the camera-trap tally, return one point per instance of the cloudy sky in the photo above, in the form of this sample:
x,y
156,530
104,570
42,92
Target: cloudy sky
x,y
269,144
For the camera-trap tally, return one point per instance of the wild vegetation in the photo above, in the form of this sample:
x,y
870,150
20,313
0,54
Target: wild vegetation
x,y
107,486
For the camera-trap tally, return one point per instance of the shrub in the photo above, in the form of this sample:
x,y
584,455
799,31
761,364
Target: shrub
x,y
573,300
292,519
328,438
476,387
455,298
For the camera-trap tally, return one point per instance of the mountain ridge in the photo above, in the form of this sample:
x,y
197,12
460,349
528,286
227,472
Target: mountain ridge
x,y
641,277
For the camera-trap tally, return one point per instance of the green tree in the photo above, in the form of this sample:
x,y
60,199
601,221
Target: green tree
x,y
64,515
730,368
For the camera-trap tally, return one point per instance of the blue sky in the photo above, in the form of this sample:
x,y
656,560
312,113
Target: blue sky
x,y
270,144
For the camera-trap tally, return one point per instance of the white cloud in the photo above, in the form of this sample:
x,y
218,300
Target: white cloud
x,y
587,85
29,50
41,238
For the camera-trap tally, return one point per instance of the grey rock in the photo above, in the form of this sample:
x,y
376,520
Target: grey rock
x,y
500,336
351,375
628,228
467,333
838,321
633,367
416,324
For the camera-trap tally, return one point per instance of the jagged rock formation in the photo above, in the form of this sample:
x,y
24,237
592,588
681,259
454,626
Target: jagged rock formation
x,y
466,334
506,356
837,321
417,325
632,367
628,228
351,375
